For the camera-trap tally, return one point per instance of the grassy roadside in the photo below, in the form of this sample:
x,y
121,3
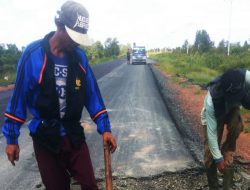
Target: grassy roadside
x,y
182,65
200,68
197,69
11,77
101,60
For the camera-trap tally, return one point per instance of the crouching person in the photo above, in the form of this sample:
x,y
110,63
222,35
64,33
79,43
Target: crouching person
x,y
222,107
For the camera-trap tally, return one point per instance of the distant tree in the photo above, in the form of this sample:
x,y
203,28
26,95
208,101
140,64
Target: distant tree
x,y
111,47
9,55
185,47
1,55
1,65
12,49
245,46
124,48
1,49
236,48
178,50
222,47
202,42
97,50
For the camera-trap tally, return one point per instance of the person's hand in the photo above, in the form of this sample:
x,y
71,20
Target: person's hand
x,y
221,166
228,158
12,151
109,141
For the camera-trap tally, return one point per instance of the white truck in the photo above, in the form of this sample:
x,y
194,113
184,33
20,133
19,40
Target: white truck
x,y
139,55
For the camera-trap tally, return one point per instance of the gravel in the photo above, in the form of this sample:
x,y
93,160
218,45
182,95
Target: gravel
x,y
184,180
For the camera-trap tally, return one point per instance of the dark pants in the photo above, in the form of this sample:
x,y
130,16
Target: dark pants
x,y
234,126
56,169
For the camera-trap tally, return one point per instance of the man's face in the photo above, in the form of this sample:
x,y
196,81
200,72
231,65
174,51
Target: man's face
x,y
67,43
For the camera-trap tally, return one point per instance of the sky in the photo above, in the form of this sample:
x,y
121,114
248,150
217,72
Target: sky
x,y
152,23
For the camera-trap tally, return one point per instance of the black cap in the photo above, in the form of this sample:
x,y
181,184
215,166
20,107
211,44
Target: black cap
x,y
75,17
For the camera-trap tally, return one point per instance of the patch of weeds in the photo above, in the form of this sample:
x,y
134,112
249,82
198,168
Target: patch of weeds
x,y
247,129
198,92
184,85
244,111
176,79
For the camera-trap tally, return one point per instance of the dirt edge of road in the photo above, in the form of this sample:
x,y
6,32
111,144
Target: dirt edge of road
x,y
187,100
7,87
189,129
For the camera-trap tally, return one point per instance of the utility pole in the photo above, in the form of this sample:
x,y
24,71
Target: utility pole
x,y
229,27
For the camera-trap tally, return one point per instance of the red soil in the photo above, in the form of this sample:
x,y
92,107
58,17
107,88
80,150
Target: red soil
x,y
191,98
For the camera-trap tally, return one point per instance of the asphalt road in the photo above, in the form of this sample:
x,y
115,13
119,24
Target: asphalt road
x,y
148,142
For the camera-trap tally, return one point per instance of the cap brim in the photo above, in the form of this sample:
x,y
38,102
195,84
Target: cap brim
x,y
82,39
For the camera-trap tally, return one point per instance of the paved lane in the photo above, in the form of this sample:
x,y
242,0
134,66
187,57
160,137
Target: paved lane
x,y
149,143
25,174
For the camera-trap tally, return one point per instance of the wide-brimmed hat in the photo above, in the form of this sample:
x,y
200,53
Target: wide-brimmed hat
x,y
75,17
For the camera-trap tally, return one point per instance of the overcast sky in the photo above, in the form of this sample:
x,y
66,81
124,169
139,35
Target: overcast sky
x,y
153,23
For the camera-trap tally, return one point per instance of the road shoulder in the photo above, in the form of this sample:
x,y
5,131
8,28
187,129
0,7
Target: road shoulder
x,y
7,87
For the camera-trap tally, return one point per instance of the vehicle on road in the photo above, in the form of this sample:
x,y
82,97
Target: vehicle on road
x,y
139,55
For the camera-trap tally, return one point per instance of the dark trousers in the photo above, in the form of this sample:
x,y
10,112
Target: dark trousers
x,y
234,126
56,169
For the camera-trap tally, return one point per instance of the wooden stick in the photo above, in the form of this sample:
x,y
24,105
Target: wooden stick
x,y
108,173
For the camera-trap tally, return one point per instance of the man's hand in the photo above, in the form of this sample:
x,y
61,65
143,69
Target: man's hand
x,y
109,141
228,158
221,166
12,151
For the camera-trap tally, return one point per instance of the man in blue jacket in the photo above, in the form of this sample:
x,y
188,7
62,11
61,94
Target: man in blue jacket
x,y
55,82
222,107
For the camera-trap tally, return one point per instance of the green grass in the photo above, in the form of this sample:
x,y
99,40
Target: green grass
x,y
101,60
244,111
11,78
247,129
201,77
199,68
198,92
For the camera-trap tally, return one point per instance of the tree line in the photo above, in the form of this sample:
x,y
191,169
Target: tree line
x,y
9,54
110,48
203,44
201,61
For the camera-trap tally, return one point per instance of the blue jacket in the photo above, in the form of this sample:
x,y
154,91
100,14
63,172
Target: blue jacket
x,y
27,89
